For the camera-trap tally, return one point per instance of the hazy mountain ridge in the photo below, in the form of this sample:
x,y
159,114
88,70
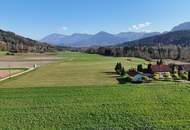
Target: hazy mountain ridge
x,y
179,35
99,39
170,38
183,26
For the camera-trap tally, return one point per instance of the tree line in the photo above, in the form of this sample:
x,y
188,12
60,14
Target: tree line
x,y
175,52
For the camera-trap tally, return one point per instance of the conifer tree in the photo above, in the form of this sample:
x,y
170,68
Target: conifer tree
x,y
123,72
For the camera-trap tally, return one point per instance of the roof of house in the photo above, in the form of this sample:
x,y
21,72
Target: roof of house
x,y
161,68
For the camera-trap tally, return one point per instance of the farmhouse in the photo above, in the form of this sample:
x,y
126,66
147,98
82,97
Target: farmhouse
x,y
163,72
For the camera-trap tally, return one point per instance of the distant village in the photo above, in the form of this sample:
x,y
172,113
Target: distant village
x,y
158,71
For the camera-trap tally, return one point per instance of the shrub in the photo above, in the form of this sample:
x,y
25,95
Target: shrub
x,y
186,73
140,68
145,78
160,62
129,59
10,54
176,76
184,76
149,70
156,76
167,75
128,79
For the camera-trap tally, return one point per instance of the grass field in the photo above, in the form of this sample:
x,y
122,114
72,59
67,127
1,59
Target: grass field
x,y
81,92
75,69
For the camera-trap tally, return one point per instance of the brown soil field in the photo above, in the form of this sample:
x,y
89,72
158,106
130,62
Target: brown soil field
x,y
6,73
27,60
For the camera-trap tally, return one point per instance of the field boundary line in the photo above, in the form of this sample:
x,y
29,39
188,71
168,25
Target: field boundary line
x,y
18,74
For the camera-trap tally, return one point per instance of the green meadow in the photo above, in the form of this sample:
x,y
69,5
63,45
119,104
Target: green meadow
x,y
75,69
81,92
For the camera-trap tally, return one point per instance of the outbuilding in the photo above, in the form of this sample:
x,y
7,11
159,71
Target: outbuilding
x,y
138,78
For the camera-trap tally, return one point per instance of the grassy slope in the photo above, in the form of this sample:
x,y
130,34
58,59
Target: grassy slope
x,y
159,105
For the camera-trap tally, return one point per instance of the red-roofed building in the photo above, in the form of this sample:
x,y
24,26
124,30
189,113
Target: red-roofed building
x,y
161,68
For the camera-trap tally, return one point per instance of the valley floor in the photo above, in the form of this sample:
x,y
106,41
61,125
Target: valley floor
x,y
81,92
74,69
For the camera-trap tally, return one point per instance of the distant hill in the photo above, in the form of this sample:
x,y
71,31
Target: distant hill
x,y
150,34
183,26
10,41
67,40
99,39
54,39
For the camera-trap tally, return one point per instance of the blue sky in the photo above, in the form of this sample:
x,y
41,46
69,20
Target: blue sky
x,y
38,18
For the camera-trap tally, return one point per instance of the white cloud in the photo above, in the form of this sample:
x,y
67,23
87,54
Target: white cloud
x,y
139,27
64,28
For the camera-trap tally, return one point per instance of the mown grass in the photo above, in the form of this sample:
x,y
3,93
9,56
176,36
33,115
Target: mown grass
x,y
151,106
3,53
75,69
81,92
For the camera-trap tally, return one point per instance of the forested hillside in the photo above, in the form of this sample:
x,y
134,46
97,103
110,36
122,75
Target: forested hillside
x,y
11,42
173,45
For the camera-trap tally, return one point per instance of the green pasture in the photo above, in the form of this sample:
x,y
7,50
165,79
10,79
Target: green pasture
x,y
75,69
140,107
81,92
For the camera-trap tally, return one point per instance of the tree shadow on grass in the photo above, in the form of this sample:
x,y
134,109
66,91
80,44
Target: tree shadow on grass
x,y
121,80
111,74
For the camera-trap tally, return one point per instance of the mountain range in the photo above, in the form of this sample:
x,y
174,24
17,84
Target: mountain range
x,y
100,39
104,38
179,35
